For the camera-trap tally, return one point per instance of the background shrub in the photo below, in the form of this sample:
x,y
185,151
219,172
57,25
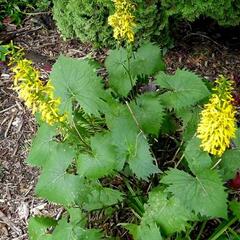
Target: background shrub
x,y
15,9
225,12
87,20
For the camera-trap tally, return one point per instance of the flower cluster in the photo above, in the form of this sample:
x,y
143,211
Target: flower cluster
x,y
37,96
122,20
218,124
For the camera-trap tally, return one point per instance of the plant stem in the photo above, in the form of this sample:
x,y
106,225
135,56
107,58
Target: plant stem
x,y
190,230
80,136
223,229
201,230
233,233
138,202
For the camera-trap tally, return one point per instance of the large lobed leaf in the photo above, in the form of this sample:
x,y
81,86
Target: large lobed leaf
x,y
103,160
131,145
100,197
139,232
55,184
184,89
166,212
190,118
75,79
38,228
197,159
69,231
149,112
123,69
203,194
230,163
42,145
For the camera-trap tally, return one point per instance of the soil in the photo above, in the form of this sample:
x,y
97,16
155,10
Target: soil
x,y
199,52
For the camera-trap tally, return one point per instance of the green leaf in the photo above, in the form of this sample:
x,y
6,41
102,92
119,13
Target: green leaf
x,y
54,183
203,194
197,159
131,145
236,140
42,145
38,228
103,160
168,213
140,232
184,89
77,80
68,231
77,217
122,68
99,197
190,119
140,158
149,112
119,77
235,207
149,60
230,163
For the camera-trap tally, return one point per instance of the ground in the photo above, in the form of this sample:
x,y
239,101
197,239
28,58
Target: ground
x,y
43,44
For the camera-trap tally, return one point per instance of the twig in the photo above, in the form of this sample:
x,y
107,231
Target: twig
x,y
20,237
204,36
9,125
216,163
10,223
36,13
7,109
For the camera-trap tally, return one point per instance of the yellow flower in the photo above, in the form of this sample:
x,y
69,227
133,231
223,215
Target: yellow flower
x,y
218,124
37,96
122,20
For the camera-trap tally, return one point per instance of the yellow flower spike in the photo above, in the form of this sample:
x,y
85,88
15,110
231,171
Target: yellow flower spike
x,y
122,20
218,124
37,97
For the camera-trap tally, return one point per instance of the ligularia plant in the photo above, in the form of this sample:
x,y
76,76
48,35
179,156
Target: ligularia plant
x,y
94,131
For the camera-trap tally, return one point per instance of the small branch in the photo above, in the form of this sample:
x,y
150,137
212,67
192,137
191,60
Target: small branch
x,y
10,223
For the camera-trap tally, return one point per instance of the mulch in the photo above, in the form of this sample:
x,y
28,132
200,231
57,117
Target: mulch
x,y
43,44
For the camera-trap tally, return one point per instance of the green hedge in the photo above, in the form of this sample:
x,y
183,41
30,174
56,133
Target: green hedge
x,y
225,12
87,20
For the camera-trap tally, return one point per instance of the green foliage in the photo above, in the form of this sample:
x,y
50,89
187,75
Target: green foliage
x,y
225,12
184,89
38,228
102,163
55,183
139,233
147,61
71,231
3,52
230,163
198,160
203,193
42,145
148,108
110,133
235,207
77,80
166,212
15,9
87,20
